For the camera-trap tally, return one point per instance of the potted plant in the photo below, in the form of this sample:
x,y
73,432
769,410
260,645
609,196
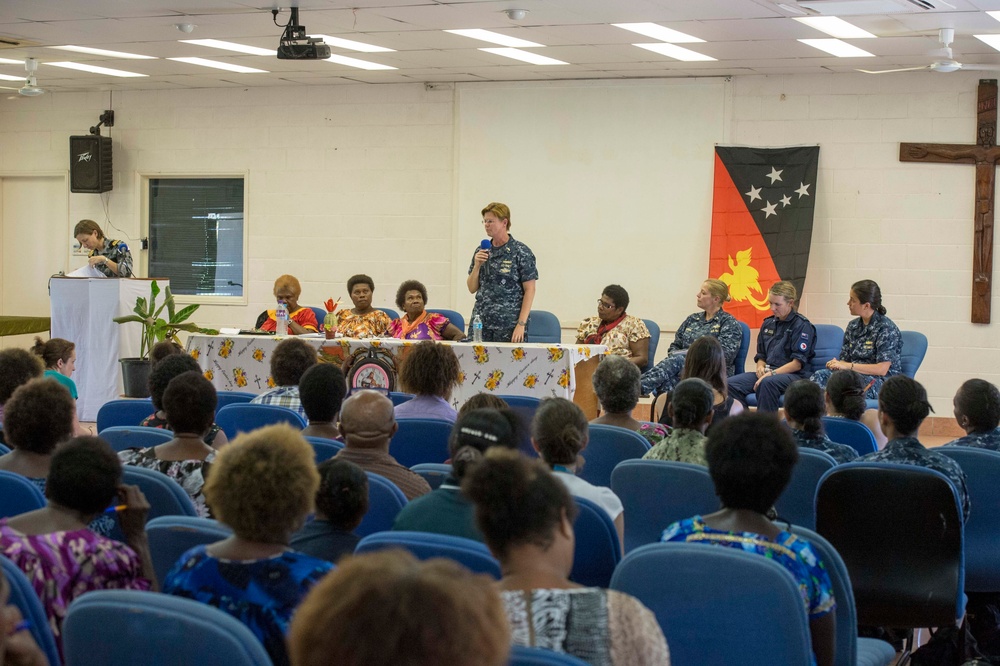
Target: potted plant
x,y
155,328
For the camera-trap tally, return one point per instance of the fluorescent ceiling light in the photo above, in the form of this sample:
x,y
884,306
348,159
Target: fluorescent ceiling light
x,y
493,37
525,56
659,32
989,40
94,69
675,52
354,62
837,48
8,61
340,42
4,77
995,15
835,27
104,52
204,62
230,46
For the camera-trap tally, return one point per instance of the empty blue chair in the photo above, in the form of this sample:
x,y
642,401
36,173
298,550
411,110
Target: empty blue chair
x,y
530,656
797,503
598,550
232,398
692,589
385,501
473,555
134,437
433,473
654,341
123,413
454,317
544,327
18,495
245,417
24,597
657,493
608,446
324,448
420,441
524,407
165,496
172,536
853,433
982,469
124,627
741,355
911,356
389,311
398,398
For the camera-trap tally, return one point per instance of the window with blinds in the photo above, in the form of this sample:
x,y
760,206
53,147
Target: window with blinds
x,y
196,234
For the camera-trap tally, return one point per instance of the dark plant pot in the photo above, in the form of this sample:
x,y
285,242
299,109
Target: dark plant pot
x,y
135,377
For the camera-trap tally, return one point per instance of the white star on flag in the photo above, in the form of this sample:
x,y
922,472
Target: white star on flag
x,y
769,210
754,193
774,175
786,201
803,190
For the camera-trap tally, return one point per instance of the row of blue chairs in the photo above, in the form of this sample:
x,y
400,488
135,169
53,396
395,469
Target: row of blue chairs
x,y
128,412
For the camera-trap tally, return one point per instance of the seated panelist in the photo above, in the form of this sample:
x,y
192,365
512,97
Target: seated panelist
x,y
362,321
623,334
416,322
300,320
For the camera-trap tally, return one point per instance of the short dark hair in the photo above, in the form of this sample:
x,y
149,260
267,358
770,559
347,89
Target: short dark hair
x,y
87,227
342,498
750,459
979,401
617,294
868,291
705,359
84,475
482,400
805,404
476,431
560,431
360,278
692,401
17,366
189,402
169,367
904,401
616,384
410,285
430,369
322,389
290,359
163,349
39,416
846,389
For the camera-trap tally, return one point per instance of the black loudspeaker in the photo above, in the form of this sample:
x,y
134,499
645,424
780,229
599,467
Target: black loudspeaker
x,y
90,164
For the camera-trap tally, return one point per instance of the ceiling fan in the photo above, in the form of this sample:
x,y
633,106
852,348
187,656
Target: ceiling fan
x,y
30,87
945,64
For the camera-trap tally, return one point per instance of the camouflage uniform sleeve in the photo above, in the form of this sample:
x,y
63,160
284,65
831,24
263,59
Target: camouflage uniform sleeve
x,y
730,337
888,343
123,257
529,270
678,343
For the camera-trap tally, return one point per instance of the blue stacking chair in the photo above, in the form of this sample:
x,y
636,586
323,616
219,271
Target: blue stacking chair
x,y
389,311
172,536
245,417
4,450
797,503
598,550
385,501
911,356
320,315
18,495
657,493
324,448
421,441
692,588
524,406
24,597
740,363
473,555
232,398
654,341
982,469
433,473
165,496
544,327
134,437
121,627
530,656
398,398
454,317
608,446
123,413
829,340
853,433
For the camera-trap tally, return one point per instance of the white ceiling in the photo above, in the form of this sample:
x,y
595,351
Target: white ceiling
x,y
746,36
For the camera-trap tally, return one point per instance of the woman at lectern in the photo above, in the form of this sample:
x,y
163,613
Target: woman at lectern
x,y
109,256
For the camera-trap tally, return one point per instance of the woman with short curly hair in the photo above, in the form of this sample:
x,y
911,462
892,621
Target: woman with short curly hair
x,y
430,371
17,366
363,320
416,322
616,385
40,415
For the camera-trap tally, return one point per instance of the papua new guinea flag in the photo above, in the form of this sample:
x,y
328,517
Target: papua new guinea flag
x,y
762,220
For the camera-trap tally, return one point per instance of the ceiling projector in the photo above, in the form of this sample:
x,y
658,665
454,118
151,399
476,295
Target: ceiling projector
x,y
295,44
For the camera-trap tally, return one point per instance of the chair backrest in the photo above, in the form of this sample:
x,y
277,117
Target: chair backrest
x,y
608,446
853,433
657,493
741,356
114,627
232,398
913,351
597,550
135,437
797,503
385,501
530,656
123,413
654,341
398,397
524,407
18,495
389,311
433,473
320,315
244,417
543,326
420,441
692,588
829,340
24,597
982,469
324,448
898,529
454,317
172,536
473,555
165,496
4,450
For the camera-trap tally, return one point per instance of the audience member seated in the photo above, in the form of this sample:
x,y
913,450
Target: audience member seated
x,y
750,459
59,358
17,366
526,516
845,399
902,407
17,645
690,410
341,504
430,371
623,334
616,385
262,486
300,319
189,403
322,389
60,556
367,425
559,433
169,367
388,608
163,349
706,360
977,410
39,416
805,406
416,322
482,400
446,510
362,321
289,361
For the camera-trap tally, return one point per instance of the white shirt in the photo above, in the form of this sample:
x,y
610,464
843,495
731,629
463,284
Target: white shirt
x,y
599,495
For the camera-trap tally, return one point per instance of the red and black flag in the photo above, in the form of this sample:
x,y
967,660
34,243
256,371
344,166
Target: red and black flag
x,y
762,219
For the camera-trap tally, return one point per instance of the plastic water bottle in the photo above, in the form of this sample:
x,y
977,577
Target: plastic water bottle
x,y
477,329
281,318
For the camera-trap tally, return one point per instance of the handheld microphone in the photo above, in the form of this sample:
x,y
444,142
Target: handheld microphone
x,y
485,244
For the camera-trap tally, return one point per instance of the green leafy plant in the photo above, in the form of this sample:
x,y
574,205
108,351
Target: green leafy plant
x,y
156,328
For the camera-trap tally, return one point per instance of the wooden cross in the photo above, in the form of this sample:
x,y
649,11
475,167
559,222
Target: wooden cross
x,y
985,155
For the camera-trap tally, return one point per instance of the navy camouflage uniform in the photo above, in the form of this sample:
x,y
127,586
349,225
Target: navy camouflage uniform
x,y
878,342
664,375
979,440
118,252
909,451
842,453
778,343
501,293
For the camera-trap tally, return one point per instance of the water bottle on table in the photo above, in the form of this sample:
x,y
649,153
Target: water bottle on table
x,y
477,329
281,319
